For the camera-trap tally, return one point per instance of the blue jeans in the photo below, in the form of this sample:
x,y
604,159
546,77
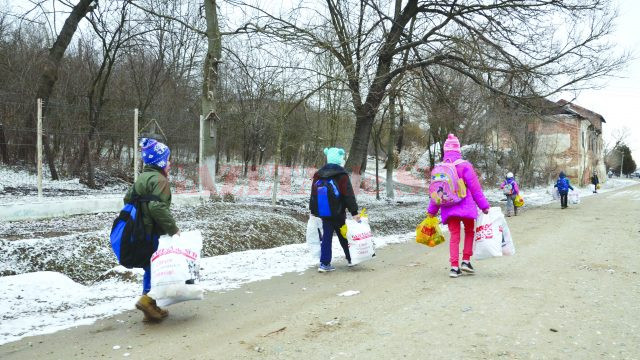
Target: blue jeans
x,y
146,278
329,226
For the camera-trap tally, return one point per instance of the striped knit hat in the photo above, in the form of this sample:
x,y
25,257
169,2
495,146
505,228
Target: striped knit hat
x,y
452,144
154,152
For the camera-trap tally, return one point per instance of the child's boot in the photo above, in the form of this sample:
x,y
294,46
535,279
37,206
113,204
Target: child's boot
x,y
152,312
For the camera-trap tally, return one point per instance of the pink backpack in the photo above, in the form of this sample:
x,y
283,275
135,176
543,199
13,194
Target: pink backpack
x,y
446,187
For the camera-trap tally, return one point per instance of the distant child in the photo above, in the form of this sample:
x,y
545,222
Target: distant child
x,y
510,189
595,181
563,186
465,211
331,195
156,215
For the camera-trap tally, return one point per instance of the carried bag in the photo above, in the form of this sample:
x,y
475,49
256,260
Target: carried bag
x,y
314,235
446,187
326,202
175,269
429,233
487,241
129,241
574,197
360,238
518,201
492,237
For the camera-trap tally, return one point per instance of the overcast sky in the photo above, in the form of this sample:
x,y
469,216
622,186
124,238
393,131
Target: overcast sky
x,y
618,99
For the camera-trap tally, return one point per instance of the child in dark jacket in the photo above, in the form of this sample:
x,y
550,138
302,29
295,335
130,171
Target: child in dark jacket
x,y
156,215
563,186
510,189
334,177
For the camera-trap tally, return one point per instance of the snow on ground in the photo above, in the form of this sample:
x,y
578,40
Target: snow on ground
x,y
45,302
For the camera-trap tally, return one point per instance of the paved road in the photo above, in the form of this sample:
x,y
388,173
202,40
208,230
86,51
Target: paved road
x,y
570,292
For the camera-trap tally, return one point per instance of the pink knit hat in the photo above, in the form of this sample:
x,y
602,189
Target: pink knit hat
x,y
452,144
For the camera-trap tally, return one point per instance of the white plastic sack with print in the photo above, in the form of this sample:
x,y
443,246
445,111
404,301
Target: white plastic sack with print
x,y
487,241
175,269
554,193
314,235
361,246
574,197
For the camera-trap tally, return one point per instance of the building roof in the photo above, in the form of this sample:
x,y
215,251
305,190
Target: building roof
x,y
594,118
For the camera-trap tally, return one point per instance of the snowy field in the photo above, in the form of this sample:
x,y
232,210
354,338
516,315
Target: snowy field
x,y
42,302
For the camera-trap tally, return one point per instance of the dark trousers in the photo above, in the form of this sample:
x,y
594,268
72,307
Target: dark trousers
x,y
329,226
563,198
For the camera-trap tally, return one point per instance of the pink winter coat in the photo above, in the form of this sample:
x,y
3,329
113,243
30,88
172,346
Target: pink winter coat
x,y
467,207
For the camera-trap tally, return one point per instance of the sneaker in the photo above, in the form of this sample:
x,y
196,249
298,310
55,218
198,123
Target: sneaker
x,y
454,273
349,264
466,267
151,311
325,268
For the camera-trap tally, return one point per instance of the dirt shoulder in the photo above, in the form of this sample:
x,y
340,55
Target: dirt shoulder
x,y
571,291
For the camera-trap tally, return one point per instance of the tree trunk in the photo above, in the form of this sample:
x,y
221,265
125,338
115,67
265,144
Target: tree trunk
x,y
3,146
276,165
392,133
48,79
400,142
210,93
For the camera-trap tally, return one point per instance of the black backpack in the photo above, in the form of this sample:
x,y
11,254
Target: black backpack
x,y
326,203
129,241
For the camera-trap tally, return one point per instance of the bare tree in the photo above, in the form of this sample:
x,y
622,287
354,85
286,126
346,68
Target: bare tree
x,y
49,77
487,42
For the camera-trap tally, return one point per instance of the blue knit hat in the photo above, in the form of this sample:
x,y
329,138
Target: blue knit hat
x,y
154,152
334,155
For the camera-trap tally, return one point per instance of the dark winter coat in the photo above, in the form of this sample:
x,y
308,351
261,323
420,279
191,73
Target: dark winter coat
x,y
563,184
341,178
595,180
157,217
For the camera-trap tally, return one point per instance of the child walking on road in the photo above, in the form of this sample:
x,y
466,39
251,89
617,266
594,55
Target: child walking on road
x,y
465,211
156,216
563,186
331,195
510,189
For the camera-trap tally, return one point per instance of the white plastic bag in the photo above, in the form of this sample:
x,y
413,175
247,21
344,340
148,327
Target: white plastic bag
x,y
361,246
507,241
175,269
487,241
554,193
574,197
314,235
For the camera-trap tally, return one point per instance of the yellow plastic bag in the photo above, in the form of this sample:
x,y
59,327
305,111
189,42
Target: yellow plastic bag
x,y
363,215
518,201
428,232
598,187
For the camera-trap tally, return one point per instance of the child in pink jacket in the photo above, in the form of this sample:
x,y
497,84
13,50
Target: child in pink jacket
x,y
465,212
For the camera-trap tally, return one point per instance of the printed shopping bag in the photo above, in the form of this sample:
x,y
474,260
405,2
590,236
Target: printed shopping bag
x,y
175,269
428,232
360,238
487,241
314,235
555,193
518,201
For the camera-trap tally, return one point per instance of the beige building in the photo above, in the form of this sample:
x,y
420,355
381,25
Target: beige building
x,y
569,139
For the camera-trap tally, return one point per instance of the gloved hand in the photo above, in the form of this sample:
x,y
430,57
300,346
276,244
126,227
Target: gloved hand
x,y
356,218
485,211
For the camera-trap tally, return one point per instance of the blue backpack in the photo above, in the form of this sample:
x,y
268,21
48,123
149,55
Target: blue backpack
x,y
132,246
563,184
326,203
